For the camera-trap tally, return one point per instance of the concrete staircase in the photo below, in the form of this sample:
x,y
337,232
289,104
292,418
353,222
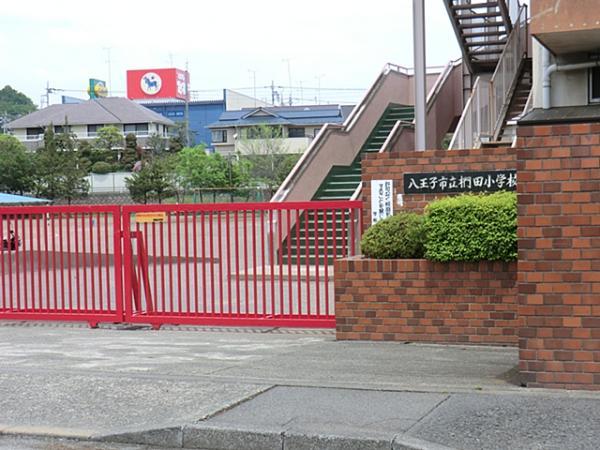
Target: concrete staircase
x,y
342,181
330,237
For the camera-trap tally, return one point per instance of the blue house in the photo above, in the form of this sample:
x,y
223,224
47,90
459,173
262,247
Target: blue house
x,y
202,112
296,125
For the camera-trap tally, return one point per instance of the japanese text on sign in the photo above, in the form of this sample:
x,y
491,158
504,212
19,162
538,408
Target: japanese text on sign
x,y
433,183
381,200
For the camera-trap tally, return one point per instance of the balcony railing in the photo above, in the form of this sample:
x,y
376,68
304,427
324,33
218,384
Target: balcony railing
x,y
486,108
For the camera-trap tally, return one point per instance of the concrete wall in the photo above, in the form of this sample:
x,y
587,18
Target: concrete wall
x,y
566,26
340,146
568,88
236,101
289,145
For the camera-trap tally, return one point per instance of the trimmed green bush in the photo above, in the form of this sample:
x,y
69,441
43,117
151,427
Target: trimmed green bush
x,y
399,236
472,228
102,167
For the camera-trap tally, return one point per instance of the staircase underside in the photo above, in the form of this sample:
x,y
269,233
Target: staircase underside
x,y
482,28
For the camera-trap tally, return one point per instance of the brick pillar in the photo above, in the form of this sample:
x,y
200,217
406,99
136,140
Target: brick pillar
x,y
559,255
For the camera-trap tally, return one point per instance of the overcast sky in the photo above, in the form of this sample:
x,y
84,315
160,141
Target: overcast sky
x,y
344,42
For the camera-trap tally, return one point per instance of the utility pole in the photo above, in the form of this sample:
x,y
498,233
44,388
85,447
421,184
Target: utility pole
x,y
187,105
318,77
289,78
253,72
272,93
108,62
419,62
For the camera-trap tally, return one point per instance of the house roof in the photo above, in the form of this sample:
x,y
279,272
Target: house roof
x,y
563,114
110,110
283,115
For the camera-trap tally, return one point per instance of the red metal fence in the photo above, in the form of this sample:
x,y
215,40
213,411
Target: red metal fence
x,y
61,263
223,264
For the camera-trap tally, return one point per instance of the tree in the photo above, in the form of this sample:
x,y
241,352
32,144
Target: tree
x,y
107,145
156,144
197,169
13,104
153,182
178,138
264,148
16,166
57,170
131,153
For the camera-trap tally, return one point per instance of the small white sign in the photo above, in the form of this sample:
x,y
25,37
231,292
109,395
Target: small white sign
x,y
382,204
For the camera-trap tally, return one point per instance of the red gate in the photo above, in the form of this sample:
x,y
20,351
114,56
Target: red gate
x,y
255,264
61,263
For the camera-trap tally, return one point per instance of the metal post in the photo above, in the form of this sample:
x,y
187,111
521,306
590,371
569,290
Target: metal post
x,y
419,62
187,105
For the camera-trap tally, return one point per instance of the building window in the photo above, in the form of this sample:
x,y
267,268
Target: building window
x,y
219,136
264,132
296,132
138,129
595,85
92,130
61,129
34,133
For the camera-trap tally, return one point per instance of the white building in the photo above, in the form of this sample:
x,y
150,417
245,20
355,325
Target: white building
x,y
85,119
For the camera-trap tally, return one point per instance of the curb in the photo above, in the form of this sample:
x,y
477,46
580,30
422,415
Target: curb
x,y
209,437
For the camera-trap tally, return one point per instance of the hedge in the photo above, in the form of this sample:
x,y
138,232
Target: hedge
x,y
101,167
399,236
472,228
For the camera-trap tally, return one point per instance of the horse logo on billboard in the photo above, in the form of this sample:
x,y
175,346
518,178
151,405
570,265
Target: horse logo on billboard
x,y
151,83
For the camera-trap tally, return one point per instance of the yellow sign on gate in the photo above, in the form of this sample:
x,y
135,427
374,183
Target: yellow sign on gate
x,y
150,217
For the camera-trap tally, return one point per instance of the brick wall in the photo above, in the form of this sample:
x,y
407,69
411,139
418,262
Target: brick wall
x,y
393,165
559,255
423,301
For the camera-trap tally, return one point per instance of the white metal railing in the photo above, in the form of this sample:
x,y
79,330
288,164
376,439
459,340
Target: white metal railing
x,y
507,70
484,112
317,143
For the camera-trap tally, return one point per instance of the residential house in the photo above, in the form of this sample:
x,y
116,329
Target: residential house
x,y
297,126
86,118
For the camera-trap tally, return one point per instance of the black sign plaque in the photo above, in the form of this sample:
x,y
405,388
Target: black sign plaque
x,y
449,182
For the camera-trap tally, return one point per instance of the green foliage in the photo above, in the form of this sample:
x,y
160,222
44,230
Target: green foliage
x,y
131,153
178,139
16,166
102,167
197,169
156,144
472,228
14,104
57,170
154,182
266,154
399,236
109,138
270,170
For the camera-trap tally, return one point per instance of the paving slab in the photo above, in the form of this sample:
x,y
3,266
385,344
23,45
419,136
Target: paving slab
x,y
85,406
503,421
322,417
291,357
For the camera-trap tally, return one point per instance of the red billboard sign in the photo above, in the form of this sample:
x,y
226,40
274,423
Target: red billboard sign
x,y
148,84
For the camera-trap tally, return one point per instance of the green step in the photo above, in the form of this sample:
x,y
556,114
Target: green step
x,y
339,184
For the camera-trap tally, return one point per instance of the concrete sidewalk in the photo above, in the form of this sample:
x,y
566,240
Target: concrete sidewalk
x,y
199,387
